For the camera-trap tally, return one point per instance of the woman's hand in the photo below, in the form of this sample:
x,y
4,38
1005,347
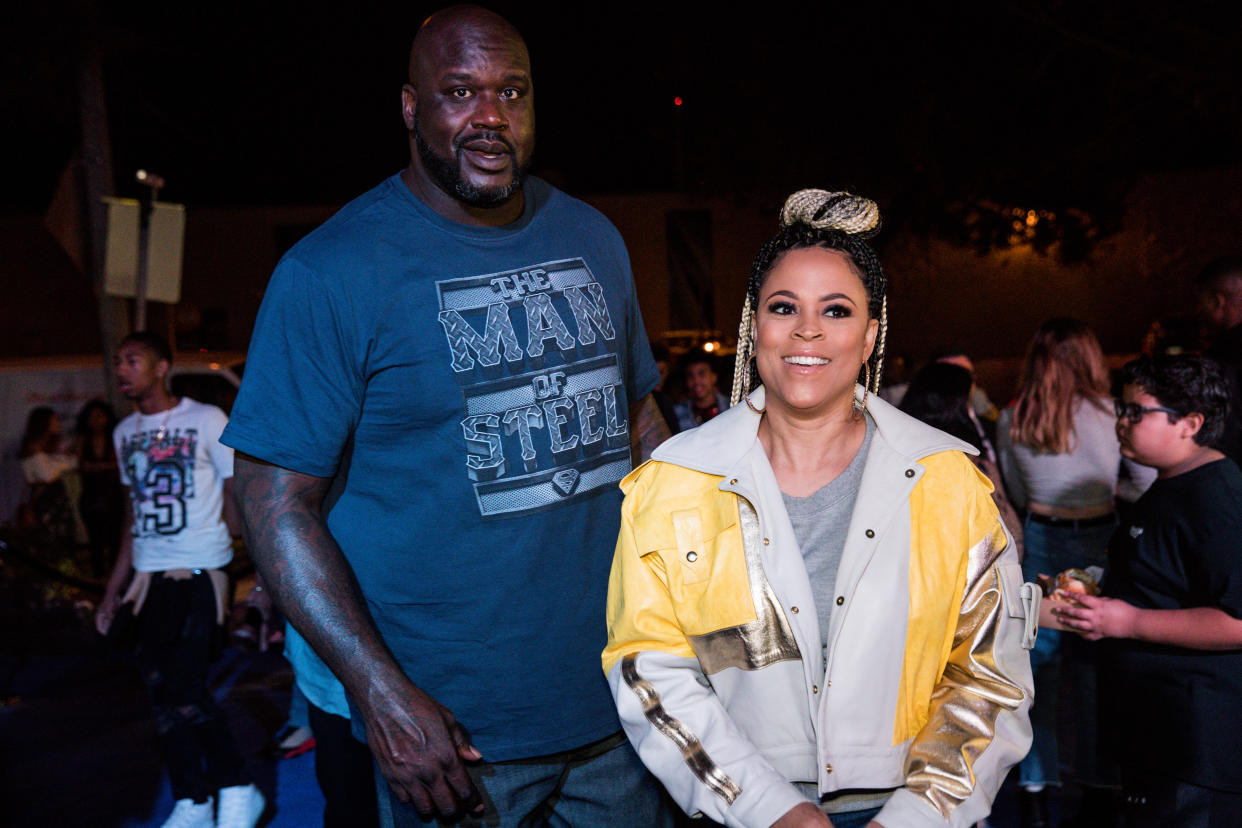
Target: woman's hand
x,y
804,815
1095,617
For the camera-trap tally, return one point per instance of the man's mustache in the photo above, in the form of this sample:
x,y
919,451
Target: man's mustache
x,y
485,138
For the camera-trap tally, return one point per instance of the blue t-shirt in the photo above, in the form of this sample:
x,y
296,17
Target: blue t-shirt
x,y
468,388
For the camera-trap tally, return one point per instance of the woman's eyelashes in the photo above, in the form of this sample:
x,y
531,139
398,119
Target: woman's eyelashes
x,y
836,310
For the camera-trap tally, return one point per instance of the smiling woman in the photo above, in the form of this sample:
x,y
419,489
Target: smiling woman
x,y
815,612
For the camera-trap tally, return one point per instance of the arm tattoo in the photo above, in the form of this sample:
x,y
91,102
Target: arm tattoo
x,y
308,575
647,428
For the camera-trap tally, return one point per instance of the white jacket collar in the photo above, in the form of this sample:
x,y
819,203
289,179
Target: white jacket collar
x,y
719,444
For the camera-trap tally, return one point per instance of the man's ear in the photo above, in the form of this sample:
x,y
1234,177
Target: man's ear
x,y
409,100
1190,425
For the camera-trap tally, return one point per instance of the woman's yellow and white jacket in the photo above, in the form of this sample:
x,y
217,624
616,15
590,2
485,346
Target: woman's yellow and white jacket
x,y
714,652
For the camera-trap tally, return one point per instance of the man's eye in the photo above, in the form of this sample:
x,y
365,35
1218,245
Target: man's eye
x,y
511,93
460,93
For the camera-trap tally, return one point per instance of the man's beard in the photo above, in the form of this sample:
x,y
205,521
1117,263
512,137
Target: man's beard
x,y
446,172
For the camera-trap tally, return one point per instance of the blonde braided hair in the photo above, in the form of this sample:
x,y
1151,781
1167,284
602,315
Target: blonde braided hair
x,y
818,218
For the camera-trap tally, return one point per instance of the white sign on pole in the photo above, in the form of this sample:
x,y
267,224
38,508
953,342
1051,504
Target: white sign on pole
x,y
163,255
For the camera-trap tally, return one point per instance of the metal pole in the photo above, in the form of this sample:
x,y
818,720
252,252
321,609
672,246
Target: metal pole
x,y
153,182
97,181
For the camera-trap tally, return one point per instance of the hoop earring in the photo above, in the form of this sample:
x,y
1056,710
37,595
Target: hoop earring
x,y
860,407
751,405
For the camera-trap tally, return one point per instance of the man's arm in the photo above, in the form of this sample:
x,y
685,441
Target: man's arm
x,y
416,741
1195,628
647,429
231,513
122,570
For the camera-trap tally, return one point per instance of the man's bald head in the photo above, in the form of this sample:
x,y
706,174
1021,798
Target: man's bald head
x,y
458,26
469,107
1220,293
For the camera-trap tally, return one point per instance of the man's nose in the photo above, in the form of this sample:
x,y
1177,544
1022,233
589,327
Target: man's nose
x,y
489,114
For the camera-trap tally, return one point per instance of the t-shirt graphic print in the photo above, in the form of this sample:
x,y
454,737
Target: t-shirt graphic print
x,y
159,470
174,467
533,350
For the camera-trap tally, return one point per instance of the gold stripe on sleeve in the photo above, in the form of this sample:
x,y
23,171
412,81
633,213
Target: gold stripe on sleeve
x,y
701,765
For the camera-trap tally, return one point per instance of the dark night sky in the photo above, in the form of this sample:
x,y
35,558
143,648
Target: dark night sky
x,y
1048,103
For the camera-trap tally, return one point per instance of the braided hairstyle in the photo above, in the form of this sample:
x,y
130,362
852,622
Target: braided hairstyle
x,y
834,221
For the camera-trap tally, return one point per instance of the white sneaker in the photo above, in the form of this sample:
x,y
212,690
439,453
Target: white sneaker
x,y
190,814
240,807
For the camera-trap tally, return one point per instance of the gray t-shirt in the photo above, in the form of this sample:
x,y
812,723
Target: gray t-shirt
x,y
820,523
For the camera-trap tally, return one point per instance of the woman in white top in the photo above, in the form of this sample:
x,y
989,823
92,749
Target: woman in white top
x,y
45,461
1060,459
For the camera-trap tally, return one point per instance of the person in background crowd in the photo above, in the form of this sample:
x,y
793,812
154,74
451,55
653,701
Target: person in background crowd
x,y
703,399
808,612
1219,287
1171,612
939,395
45,460
102,503
980,405
668,408
1060,460
170,575
431,495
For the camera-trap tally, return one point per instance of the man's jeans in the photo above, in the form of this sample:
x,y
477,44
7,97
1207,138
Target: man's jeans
x,y
601,784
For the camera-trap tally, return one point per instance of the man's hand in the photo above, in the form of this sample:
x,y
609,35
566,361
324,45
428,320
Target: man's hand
x,y
416,742
107,611
805,815
1098,617
420,749
260,601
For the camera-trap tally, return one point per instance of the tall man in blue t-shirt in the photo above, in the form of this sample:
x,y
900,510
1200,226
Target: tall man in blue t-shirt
x,y
430,433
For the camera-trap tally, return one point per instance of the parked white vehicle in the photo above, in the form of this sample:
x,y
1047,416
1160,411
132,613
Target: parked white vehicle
x,y
66,383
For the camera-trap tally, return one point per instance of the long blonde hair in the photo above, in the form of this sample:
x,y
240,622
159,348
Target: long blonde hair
x,y
1064,363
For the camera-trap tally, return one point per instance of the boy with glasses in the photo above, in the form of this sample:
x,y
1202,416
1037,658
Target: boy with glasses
x,y
1172,603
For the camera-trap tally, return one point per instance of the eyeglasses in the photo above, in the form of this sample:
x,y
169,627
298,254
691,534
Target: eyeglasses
x,y
1132,412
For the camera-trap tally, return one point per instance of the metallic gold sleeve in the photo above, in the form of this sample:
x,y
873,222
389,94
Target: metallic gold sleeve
x,y
973,692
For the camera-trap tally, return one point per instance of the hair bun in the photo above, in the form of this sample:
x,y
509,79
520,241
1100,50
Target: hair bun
x,y
823,210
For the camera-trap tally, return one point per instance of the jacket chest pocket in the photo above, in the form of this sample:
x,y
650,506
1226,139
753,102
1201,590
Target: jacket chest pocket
x,y
693,559
705,567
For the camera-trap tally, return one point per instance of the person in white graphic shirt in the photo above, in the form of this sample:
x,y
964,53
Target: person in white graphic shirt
x,y
169,576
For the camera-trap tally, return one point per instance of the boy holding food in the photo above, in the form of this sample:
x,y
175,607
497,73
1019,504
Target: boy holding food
x,y
1172,603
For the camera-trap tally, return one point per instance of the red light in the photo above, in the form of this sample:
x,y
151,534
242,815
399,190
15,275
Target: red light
x,y
677,101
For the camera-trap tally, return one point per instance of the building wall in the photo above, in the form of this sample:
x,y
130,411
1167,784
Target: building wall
x,y
941,294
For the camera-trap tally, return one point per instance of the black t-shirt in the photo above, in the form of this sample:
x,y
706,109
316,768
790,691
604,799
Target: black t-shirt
x,y
1179,711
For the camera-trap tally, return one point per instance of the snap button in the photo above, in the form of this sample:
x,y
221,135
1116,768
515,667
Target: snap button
x,y
909,472
767,541
733,482
828,683
794,610
840,600
814,688
692,556
828,768
870,533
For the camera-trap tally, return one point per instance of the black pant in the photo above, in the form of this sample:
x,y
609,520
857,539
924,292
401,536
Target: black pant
x,y
1150,801
177,640
344,771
